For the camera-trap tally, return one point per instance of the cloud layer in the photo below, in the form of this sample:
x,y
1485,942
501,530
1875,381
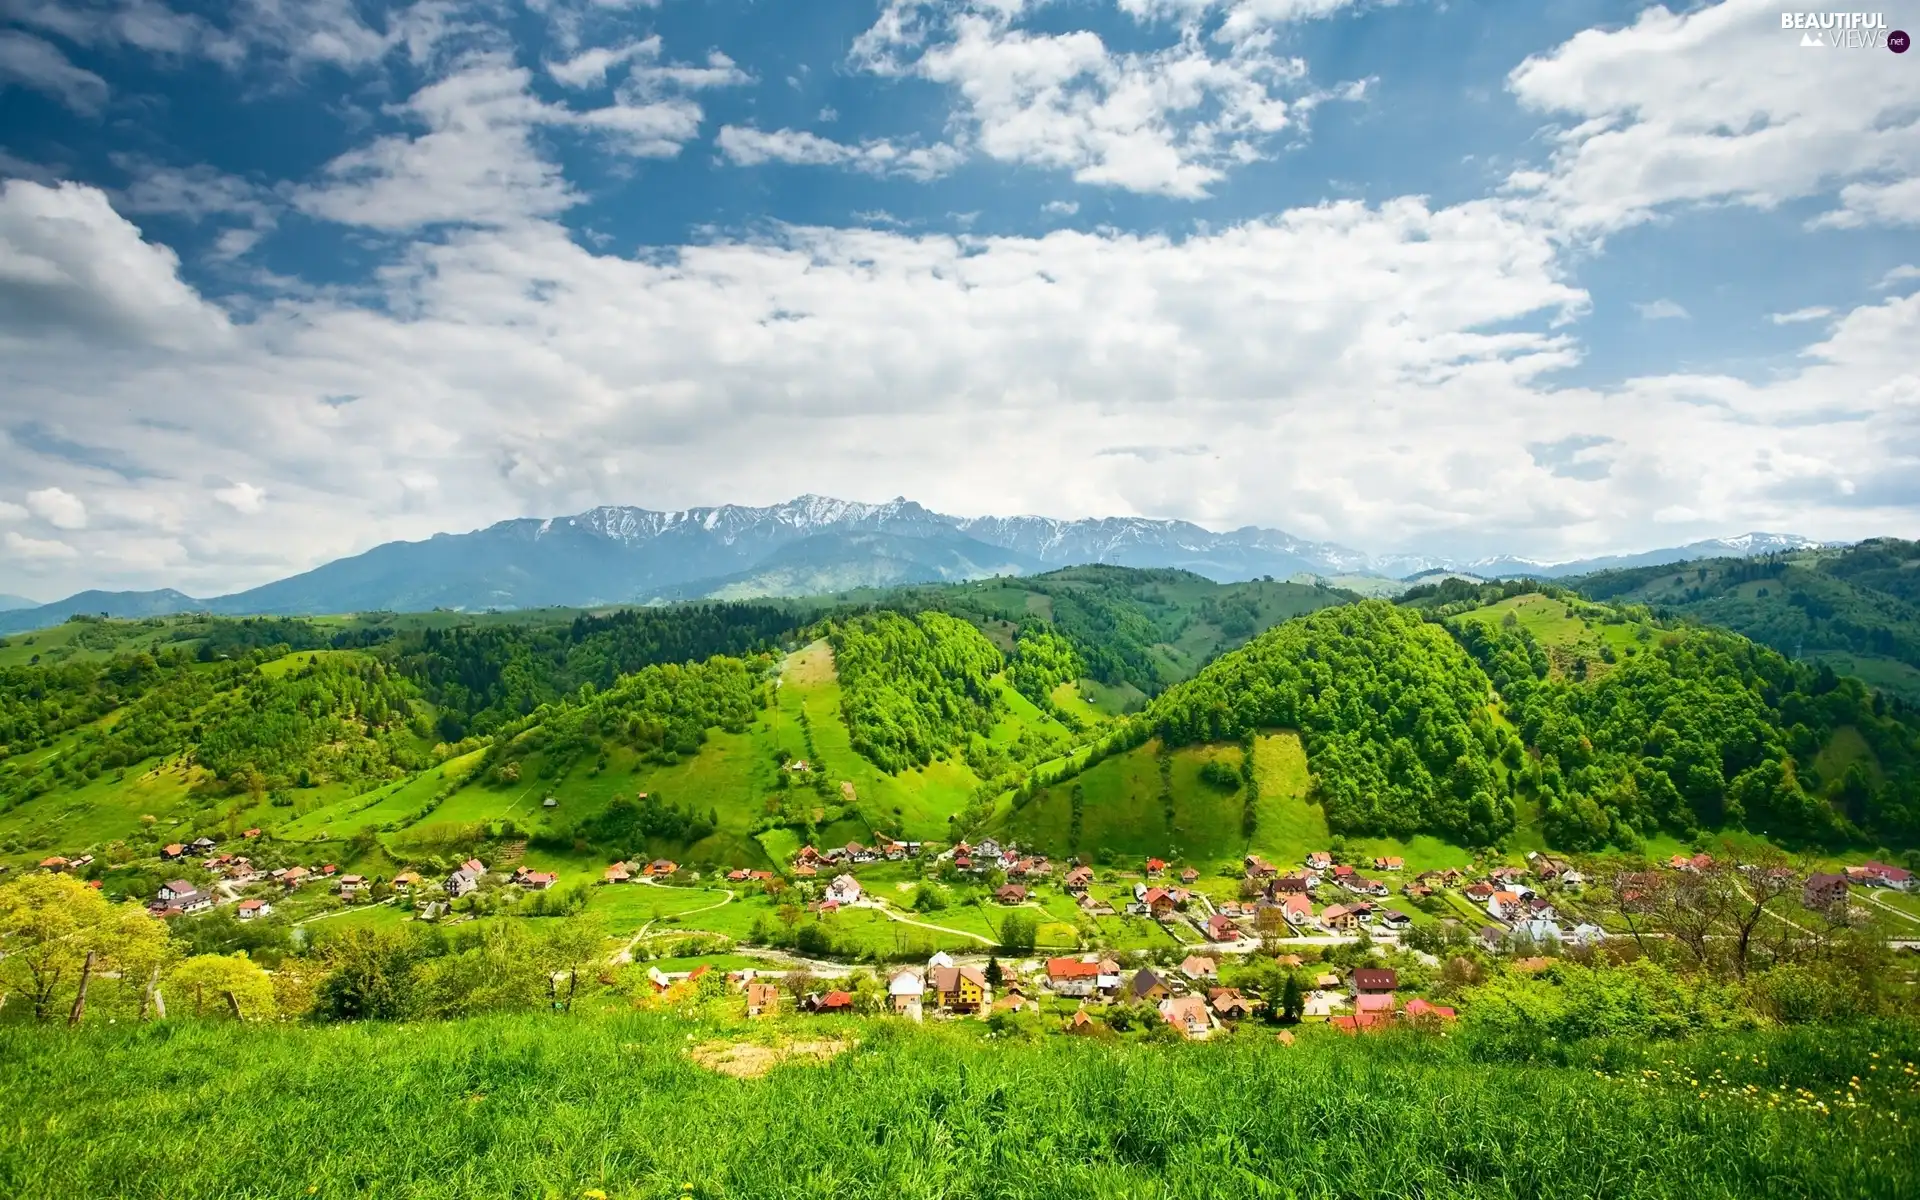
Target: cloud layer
x,y
1385,373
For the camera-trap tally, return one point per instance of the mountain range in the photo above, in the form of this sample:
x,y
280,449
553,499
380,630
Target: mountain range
x,y
810,545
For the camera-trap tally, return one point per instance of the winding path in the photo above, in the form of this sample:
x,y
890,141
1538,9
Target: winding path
x,y
625,954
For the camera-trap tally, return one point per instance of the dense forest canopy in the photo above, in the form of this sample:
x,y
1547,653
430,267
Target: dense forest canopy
x,y
1396,719
1696,730
914,688
1432,714
484,677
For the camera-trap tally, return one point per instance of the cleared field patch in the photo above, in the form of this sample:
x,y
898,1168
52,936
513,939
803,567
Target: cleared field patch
x,y
287,664
626,907
1124,812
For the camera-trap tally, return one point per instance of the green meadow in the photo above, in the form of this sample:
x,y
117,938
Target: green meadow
x,y
618,1106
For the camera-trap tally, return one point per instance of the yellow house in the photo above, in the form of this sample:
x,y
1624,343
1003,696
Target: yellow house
x,y
961,989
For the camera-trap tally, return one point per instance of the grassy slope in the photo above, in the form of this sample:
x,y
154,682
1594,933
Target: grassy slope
x,y
1764,609
548,1106
1123,813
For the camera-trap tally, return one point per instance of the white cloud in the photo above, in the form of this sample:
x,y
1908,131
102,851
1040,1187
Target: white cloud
x,y
477,164
31,62
200,193
71,265
1062,208
58,508
745,146
512,370
1798,315
1661,310
242,497
279,34
10,511
1904,273
1171,121
501,367
21,546
589,68
1719,105
1896,203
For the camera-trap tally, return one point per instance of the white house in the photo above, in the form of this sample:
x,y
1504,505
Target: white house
x,y
1588,934
463,881
940,959
1541,931
904,991
249,909
1072,977
844,889
176,890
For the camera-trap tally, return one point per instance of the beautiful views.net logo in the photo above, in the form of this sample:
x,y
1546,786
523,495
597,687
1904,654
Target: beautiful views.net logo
x,y
1845,31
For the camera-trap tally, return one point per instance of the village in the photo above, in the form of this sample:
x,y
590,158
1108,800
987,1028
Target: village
x,y
1321,940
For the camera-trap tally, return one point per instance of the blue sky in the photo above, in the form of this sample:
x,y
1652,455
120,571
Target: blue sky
x,y
280,281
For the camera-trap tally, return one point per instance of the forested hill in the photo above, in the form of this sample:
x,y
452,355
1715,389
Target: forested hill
x,y
1136,631
1479,714
1397,720
1857,608
1449,719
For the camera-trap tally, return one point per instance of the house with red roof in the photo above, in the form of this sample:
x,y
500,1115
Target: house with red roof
x,y
1418,1009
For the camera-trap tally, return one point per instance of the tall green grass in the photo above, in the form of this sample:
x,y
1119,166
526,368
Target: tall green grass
x,y
551,1106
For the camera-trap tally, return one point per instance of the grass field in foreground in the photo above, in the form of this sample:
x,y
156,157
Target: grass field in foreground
x,y
552,1106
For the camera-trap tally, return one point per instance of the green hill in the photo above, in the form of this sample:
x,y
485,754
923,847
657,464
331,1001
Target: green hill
x,y
1136,631
728,735
1856,609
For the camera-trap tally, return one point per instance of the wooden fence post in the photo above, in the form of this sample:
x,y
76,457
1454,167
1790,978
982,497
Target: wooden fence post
x,y
80,1001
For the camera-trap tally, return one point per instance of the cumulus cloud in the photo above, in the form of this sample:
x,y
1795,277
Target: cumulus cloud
x,y
476,164
9,511
242,497
31,62
1382,374
23,547
747,147
70,265
1171,121
1719,105
58,508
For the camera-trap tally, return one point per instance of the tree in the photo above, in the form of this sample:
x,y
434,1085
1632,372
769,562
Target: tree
x,y
995,976
1017,933
799,983
869,994
230,983
1292,1002
370,976
577,941
56,933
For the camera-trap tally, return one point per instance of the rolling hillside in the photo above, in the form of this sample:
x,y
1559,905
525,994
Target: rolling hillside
x,y
1856,609
1497,716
